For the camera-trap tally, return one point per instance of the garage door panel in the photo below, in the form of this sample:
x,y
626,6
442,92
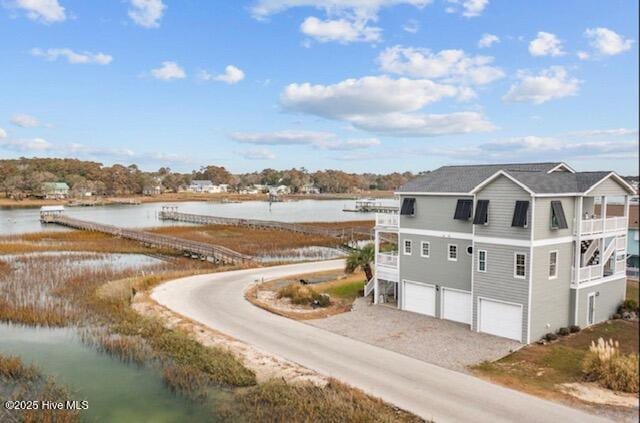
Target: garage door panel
x,y
501,319
419,298
456,306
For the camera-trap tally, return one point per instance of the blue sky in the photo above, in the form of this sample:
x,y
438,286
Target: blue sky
x,y
358,85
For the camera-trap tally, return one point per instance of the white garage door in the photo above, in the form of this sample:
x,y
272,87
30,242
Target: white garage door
x,y
419,298
501,319
456,306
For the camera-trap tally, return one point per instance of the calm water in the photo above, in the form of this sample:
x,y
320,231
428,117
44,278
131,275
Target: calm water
x,y
116,392
21,220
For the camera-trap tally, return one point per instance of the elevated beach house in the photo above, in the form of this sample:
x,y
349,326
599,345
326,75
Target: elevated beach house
x,y
513,250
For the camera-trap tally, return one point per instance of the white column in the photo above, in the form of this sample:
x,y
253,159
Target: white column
x,y
376,249
577,254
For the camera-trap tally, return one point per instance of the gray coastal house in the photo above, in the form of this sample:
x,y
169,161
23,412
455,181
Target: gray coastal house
x,y
514,250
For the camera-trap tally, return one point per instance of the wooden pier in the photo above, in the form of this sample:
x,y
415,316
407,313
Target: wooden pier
x,y
369,205
201,250
345,235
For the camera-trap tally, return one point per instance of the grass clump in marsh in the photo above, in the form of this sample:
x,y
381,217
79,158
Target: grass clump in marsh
x,y
303,295
277,401
21,382
605,365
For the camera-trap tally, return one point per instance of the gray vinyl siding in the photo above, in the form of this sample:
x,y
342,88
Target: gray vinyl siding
x,y
611,294
502,194
498,282
542,217
550,298
435,213
436,269
608,187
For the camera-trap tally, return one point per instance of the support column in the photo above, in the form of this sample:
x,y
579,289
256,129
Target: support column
x,y
577,257
376,249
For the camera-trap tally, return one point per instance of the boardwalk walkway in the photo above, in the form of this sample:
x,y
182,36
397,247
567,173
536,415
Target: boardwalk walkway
x,y
344,235
202,250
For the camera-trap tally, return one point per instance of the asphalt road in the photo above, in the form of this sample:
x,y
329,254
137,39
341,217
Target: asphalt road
x,y
429,391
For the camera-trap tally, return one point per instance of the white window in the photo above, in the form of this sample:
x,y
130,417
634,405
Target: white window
x,y
482,261
407,247
425,248
520,266
553,264
452,252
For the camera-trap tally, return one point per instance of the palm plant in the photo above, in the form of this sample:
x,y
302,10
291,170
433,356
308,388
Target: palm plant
x,y
361,259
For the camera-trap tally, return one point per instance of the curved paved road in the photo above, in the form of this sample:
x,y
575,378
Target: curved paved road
x,y
432,392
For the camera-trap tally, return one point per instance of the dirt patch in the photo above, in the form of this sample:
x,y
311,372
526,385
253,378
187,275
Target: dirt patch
x,y
266,366
591,392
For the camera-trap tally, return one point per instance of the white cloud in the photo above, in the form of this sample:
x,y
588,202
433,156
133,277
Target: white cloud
x,y
168,71
583,55
551,83
316,139
450,65
258,154
24,121
362,8
231,75
367,95
488,40
45,11
412,26
607,42
72,57
616,132
429,125
341,30
546,44
470,8
32,144
3,133
147,13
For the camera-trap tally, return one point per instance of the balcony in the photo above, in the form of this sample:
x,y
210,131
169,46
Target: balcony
x,y
387,221
597,271
387,267
608,225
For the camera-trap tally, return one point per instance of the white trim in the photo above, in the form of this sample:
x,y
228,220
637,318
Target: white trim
x,y
589,295
449,252
498,301
468,194
555,275
486,261
530,279
515,266
496,175
441,234
503,241
552,241
558,194
563,164
404,247
422,243
618,178
473,244
590,284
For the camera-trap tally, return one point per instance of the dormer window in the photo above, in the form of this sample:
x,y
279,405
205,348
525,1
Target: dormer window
x,y
558,220
482,211
463,210
408,207
520,214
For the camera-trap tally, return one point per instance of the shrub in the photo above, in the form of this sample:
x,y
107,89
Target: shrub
x,y
324,300
574,328
628,305
564,331
298,294
604,364
551,337
616,316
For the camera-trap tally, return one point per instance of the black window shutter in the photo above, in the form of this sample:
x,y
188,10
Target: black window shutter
x,y
463,209
408,207
557,213
482,209
520,214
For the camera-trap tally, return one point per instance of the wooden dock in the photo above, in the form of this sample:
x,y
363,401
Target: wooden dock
x,y
345,235
195,249
368,205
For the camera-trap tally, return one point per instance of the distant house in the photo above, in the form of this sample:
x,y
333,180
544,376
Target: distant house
x,y
199,185
310,189
280,189
55,190
248,190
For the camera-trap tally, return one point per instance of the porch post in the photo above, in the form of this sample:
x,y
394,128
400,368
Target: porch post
x,y
376,249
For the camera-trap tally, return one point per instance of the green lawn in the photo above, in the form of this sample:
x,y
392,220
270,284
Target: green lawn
x,y
346,289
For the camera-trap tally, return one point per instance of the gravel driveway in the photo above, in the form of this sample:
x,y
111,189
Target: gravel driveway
x,y
441,342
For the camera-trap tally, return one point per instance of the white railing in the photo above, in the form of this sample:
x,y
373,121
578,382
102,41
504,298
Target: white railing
x,y
596,225
387,220
385,259
621,243
621,266
590,273
368,288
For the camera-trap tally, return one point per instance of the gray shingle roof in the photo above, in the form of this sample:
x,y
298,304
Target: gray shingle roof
x,y
533,175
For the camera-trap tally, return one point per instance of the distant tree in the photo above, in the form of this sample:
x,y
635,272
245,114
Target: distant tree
x,y
215,174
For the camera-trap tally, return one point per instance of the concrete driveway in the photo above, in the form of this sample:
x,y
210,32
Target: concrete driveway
x,y
216,300
441,342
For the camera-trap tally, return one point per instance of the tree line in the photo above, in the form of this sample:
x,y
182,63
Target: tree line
x,y
25,176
